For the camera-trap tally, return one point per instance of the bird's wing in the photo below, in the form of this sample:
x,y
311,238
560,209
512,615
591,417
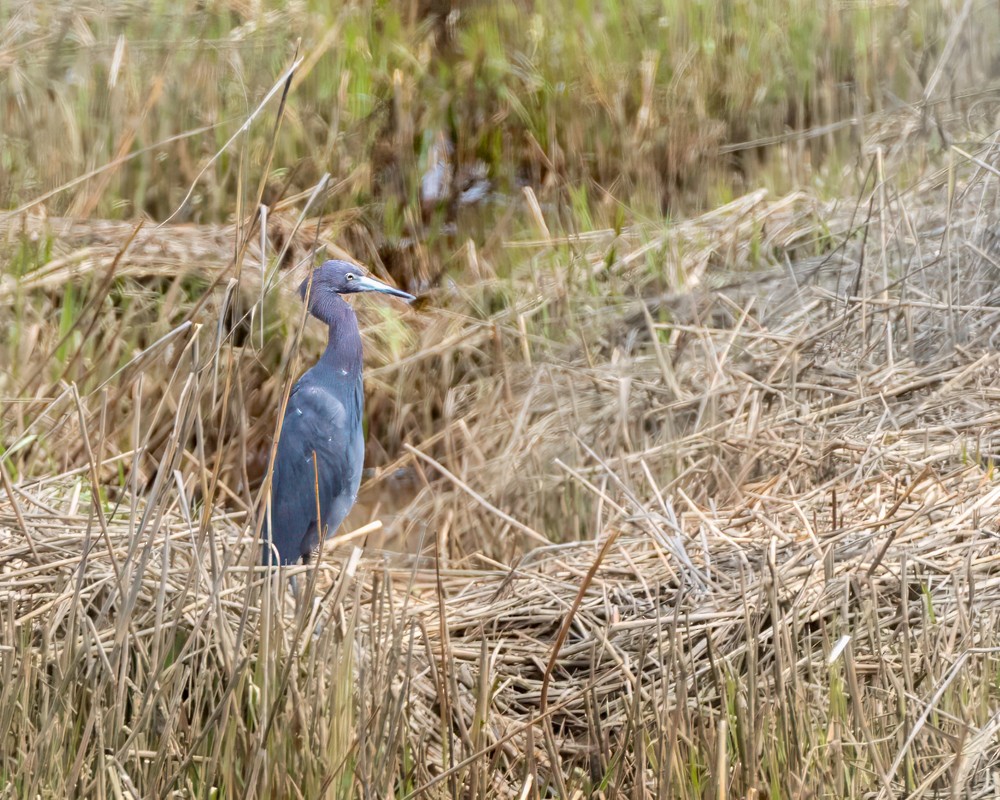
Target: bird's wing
x,y
316,422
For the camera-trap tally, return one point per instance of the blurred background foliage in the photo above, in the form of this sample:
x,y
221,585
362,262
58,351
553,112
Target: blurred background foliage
x,y
661,107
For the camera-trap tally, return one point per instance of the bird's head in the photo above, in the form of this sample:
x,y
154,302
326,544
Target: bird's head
x,y
340,277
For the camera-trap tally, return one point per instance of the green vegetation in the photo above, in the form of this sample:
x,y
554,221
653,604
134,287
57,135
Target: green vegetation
x,y
643,105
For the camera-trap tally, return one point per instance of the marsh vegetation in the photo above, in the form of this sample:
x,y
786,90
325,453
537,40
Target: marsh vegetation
x,y
680,473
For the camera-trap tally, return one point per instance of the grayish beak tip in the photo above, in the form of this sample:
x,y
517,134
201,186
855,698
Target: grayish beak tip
x,y
369,284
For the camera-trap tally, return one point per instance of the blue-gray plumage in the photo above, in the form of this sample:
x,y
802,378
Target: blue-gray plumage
x,y
321,447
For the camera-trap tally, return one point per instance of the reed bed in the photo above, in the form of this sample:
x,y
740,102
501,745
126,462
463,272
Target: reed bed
x,y
724,538
660,503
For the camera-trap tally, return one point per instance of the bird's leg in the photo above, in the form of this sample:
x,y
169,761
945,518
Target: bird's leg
x,y
299,591
300,597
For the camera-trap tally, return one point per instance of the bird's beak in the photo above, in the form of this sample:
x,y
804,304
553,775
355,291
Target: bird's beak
x,y
364,283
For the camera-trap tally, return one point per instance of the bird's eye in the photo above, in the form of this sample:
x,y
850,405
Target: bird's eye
x,y
349,276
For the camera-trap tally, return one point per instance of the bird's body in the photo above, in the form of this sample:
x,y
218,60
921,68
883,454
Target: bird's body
x,y
321,447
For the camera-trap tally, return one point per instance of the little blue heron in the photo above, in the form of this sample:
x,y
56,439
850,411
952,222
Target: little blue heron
x,y
321,447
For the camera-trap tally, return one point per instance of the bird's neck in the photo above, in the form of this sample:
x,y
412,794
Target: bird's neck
x,y
343,349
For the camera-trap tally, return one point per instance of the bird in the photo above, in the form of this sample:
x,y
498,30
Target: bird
x,y
321,445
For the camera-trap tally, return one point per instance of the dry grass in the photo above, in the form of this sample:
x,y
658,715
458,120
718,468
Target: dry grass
x,y
691,507
791,589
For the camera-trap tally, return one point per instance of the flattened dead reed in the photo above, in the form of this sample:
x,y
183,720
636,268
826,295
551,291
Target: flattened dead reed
x,y
774,516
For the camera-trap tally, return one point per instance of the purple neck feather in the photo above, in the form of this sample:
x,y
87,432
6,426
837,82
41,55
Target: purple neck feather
x,y
343,350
